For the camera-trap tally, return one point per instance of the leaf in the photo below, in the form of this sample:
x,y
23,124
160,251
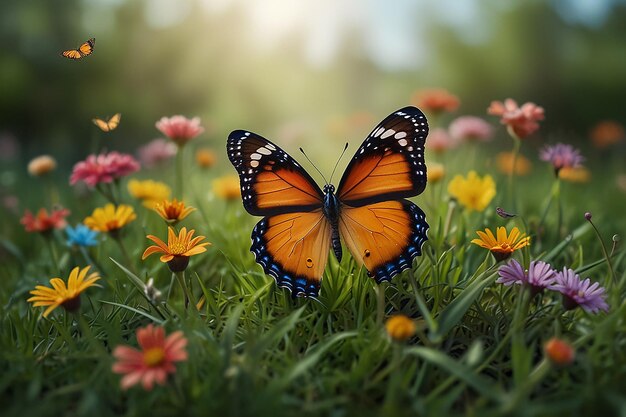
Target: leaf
x,y
133,278
134,310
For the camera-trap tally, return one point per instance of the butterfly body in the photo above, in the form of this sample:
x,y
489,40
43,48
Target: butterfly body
x,y
368,211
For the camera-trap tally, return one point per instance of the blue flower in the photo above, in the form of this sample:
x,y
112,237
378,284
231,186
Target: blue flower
x,y
81,235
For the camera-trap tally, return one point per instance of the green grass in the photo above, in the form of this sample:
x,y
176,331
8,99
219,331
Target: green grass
x,y
253,350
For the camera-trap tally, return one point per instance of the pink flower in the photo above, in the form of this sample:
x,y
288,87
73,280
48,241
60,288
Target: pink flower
x,y
521,121
180,129
154,361
156,152
470,128
103,168
440,141
43,222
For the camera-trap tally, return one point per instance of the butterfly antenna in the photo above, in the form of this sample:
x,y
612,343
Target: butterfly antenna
x,y
337,163
311,162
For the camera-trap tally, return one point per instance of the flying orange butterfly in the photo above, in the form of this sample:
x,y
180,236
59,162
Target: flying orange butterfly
x,y
83,50
302,223
111,124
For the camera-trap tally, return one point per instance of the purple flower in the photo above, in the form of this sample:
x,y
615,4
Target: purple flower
x,y
577,293
539,275
561,156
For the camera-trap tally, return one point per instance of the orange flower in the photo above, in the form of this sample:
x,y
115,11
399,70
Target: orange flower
x,y
205,158
435,100
227,187
502,246
400,327
606,133
504,161
435,172
559,351
45,222
579,175
41,165
178,249
173,211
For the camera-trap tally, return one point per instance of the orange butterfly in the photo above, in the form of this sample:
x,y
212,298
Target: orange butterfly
x,y
109,125
83,50
301,223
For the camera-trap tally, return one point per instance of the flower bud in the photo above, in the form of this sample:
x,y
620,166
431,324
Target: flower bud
x,y
400,327
559,351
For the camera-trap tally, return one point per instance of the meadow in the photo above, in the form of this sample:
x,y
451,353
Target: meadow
x,y
475,326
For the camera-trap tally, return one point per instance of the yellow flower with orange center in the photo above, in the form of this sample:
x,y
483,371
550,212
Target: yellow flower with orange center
x,y
504,162
473,192
502,245
578,175
149,192
178,249
67,296
435,172
205,158
227,187
400,327
173,211
110,218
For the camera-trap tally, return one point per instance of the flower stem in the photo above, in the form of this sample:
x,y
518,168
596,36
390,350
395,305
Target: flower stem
x,y
179,172
605,252
516,147
380,303
180,276
56,268
127,258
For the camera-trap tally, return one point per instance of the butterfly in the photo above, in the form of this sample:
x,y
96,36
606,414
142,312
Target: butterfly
x,y
368,210
110,124
83,50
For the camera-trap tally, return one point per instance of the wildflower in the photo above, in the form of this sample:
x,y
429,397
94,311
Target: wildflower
x,y
400,327
435,172
153,361
205,158
521,121
559,351
502,246
156,152
178,249
227,187
41,165
538,276
179,129
440,141
561,156
44,222
607,133
504,162
470,129
68,296
81,235
149,192
435,100
577,175
578,293
103,168
110,218
473,192
172,211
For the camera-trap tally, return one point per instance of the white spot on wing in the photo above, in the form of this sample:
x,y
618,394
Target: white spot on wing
x,y
388,133
255,156
264,151
400,135
378,132
254,164
402,142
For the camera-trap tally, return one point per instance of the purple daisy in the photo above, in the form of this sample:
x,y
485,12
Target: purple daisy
x,y
539,275
580,293
561,156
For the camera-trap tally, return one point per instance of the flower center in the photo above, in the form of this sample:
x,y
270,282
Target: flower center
x,y
154,356
178,248
112,225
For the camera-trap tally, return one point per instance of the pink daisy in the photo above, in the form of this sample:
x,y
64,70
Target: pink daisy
x,y
470,128
521,121
440,141
180,129
156,152
103,168
154,361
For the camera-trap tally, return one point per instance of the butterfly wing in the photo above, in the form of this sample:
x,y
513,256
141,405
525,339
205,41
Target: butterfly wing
x,y
87,47
293,248
114,121
71,54
101,124
389,165
385,236
272,182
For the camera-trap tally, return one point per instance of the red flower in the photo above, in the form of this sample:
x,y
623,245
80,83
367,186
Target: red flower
x,y
521,121
154,361
103,168
436,100
43,222
180,129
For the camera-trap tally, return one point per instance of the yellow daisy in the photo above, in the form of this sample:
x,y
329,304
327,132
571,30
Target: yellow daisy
x,y
178,249
473,192
149,192
172,211
227,187
68,296
205,158
400,327
110,218
502,246
435,172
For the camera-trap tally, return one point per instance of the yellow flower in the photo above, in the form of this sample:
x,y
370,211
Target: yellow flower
x,y
580,174
178,249
400,327
149,192
473,192
435,172
172,211
504,161
61,295
205,158
41,165
110,218
502,246
227,187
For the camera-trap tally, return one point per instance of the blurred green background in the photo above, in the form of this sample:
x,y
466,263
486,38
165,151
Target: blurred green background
x,y
292,69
